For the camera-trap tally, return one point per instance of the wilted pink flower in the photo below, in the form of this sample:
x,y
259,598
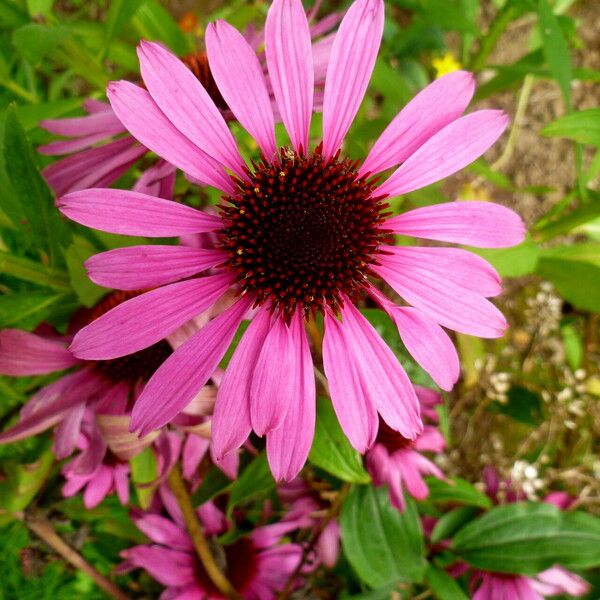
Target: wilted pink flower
x,y
98,151
397,462
299,233
307,510
258,565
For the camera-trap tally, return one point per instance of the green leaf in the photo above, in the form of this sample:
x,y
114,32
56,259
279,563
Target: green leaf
x,y
382,544
514,538
119,14
529,537
566,223
154,22
582,127
523,405
512,262
144,470
556,49
214,483
88,292
573,345
22,482
27,309
448,524
43,221
456,490
255,479
30,115
331,450
40,8
34,41
575,273
577,543
442,585
34,272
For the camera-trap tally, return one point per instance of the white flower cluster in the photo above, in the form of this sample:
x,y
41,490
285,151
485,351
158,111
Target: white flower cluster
x,y
525,476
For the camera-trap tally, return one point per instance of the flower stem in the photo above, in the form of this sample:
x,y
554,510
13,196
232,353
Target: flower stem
x,y
184,500
44,530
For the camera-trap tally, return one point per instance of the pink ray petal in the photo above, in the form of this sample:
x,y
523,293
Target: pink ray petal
x,y
449,150
98,487
273,388
180,377
68,431
446,302
147,123
105,122
289,445
429,345
50,404
289,59
146,319
384,379
434,107
161,530
132,213
24,353
169,567
179,95
354,408
240,79
231,419
350,66
141,267
481,224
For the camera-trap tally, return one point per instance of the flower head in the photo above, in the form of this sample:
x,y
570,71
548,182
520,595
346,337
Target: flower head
x,y
300,232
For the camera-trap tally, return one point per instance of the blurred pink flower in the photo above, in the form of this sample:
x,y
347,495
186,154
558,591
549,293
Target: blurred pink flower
x,y
99,153
551,582
298,234
397,462
258,565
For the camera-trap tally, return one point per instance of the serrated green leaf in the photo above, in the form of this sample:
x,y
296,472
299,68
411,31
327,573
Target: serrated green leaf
x,y
34,40
34,272
382,544
119,14
331,450
27,309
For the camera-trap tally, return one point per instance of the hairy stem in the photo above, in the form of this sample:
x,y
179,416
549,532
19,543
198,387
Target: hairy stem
x,y
180,491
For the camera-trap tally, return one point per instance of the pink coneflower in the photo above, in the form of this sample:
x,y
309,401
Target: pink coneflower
x,y
397,462
299,233
258,565
100,150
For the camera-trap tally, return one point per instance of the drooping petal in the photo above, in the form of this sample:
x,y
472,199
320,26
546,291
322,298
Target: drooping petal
x,y
98,487
273,387
131,213
289,445
240,80
231,419
50,404
121,482
429,345
147,123
289,59
481,224
105,122
434,107
186,103
350,66
24,353
169,567
383,377
328,544
180,377
445,302
558,580
146,319
158,180
449,150
67,432
141,267
355,409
